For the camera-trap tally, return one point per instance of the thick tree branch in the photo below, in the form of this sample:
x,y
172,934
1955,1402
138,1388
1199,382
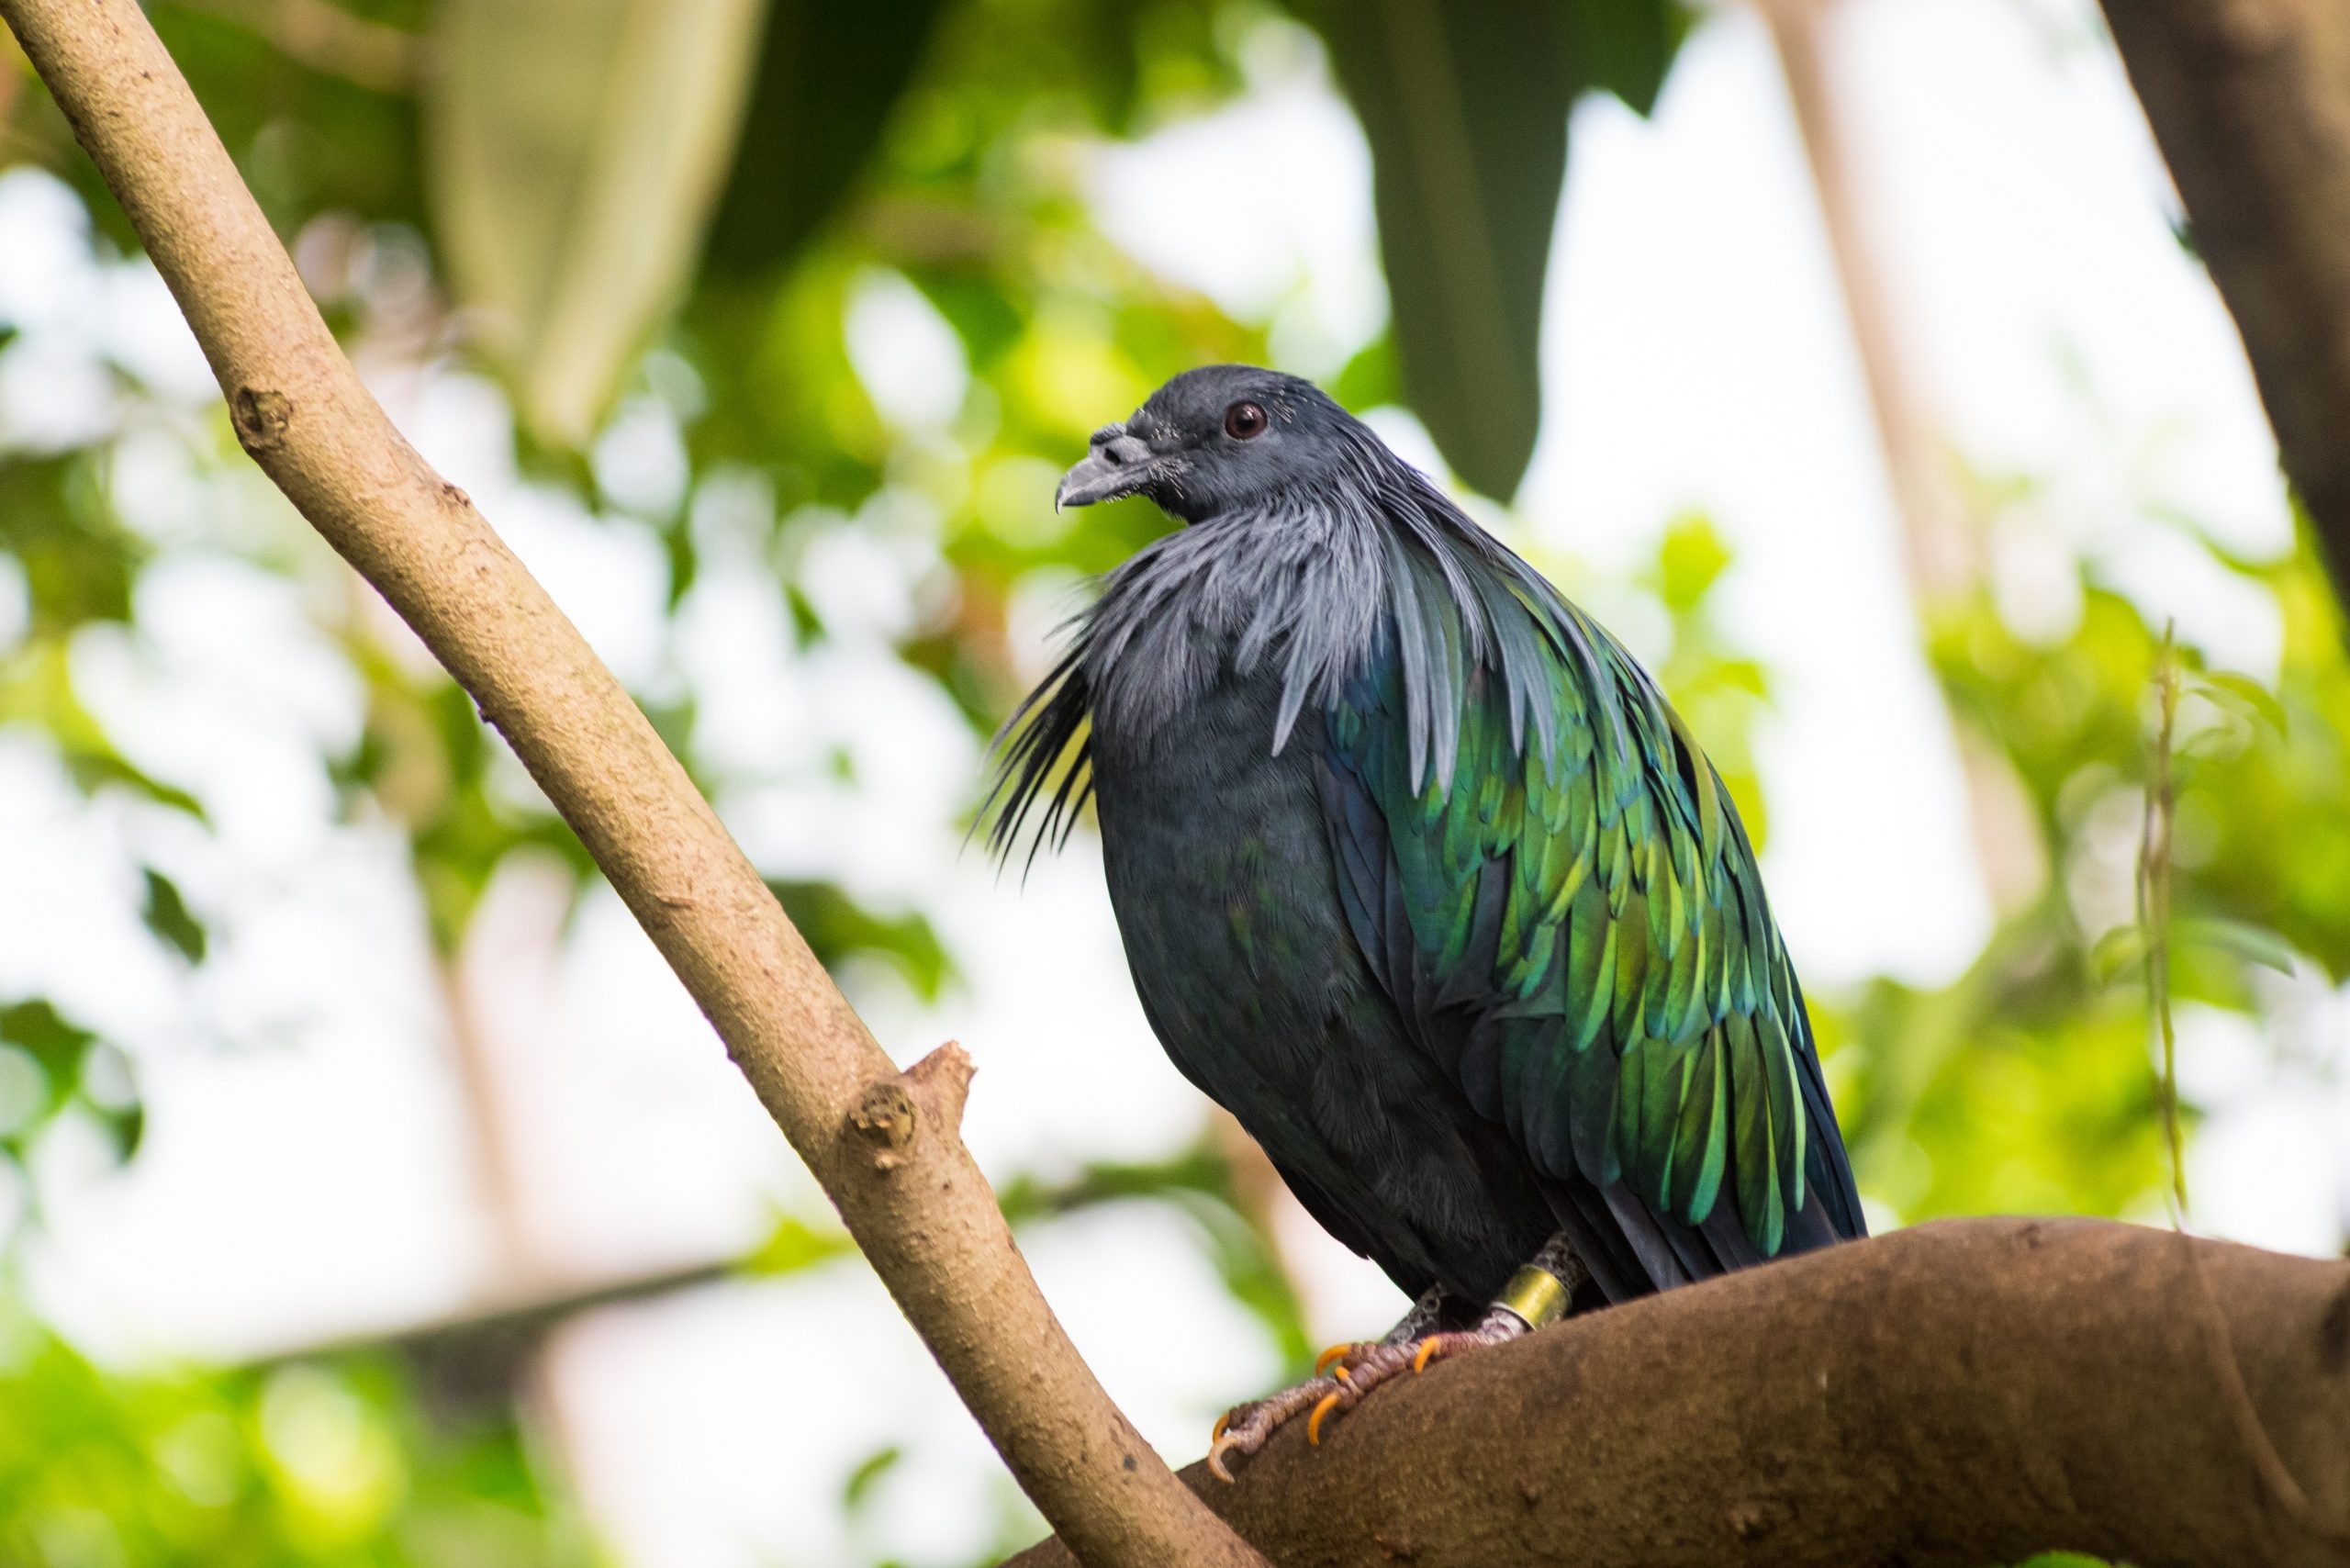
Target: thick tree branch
x,y
2250,102
905,1186
1966,1392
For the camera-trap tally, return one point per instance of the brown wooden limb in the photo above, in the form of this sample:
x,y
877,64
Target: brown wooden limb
x,y
2249,103
928,1222
1965,1392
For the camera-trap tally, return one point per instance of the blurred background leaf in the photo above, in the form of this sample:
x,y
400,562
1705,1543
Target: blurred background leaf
x,y
571,194
826,81
1465,108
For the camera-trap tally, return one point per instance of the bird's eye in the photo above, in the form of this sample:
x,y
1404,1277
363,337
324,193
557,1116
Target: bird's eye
x,y
1245,422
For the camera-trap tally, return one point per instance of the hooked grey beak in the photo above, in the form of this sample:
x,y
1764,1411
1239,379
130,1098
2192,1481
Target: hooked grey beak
x,y
1117,466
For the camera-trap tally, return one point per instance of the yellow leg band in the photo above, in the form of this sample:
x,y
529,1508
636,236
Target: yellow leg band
x,y
1535,1295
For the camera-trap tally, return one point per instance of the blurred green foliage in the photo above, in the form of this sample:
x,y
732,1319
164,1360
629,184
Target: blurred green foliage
x,y
298,1465
2025,1085
936,147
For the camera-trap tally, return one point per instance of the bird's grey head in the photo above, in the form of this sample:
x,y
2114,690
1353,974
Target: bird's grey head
x,y
1221,439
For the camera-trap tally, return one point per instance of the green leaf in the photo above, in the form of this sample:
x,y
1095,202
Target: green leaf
x,y
1465,107
1625,47
2253,944
826,79
1689,563
577,148
166,914
36,687
793,1246
835,925
54,1041
1369,379
124,1127
2245,696
870,1470
2118,952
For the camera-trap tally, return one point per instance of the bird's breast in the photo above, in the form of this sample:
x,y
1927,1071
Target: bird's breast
x,y
1219,869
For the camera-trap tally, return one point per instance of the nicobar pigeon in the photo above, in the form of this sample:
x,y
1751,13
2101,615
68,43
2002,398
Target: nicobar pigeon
x,y
1422,879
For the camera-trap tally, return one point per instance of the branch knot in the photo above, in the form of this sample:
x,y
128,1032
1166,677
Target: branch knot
x,y
261,417
884,1122
884,1117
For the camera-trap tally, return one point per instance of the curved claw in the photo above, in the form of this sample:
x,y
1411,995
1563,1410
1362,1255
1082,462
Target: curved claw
x,y
1240,1429
1338,1353
1246,1427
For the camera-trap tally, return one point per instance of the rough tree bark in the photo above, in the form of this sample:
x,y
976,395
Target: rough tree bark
x,y
2249,103
1965,1392
883,1144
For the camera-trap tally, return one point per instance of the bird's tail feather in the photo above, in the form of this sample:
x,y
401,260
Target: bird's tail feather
x,y
1633,1251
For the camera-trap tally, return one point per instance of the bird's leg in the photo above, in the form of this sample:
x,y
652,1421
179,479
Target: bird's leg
x,y
1243,1427
1426,1314
1538,1294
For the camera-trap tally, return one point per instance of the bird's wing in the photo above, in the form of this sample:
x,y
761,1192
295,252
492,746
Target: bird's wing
x,y
1569,912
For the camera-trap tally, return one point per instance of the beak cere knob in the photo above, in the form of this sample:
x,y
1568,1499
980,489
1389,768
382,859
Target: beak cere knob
x,y
1118,464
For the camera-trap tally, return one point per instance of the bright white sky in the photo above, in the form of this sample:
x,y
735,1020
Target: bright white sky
x,y
306,1171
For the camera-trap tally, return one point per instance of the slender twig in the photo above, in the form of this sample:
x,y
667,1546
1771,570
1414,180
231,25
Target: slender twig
x,y
2153,887
884,1145
2153,906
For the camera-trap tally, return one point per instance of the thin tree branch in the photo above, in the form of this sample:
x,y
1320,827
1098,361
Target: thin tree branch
x,y
1200,1172
1968,1392
517,1262
2249,103
883,1144
483,1358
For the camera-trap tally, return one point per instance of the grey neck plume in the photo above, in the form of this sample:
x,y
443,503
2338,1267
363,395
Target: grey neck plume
x,y
1375,565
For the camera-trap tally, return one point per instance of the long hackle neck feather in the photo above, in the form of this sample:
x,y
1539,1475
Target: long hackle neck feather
x,y
1369,560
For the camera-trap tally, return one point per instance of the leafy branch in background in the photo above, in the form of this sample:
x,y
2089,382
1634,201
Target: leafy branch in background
x,y
1466,111
2150,940
2153,903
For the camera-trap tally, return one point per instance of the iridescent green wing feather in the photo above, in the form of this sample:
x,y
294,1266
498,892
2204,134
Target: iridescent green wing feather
x,y
1555,888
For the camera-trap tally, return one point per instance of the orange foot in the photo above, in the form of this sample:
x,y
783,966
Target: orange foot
x,y
1353,1371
